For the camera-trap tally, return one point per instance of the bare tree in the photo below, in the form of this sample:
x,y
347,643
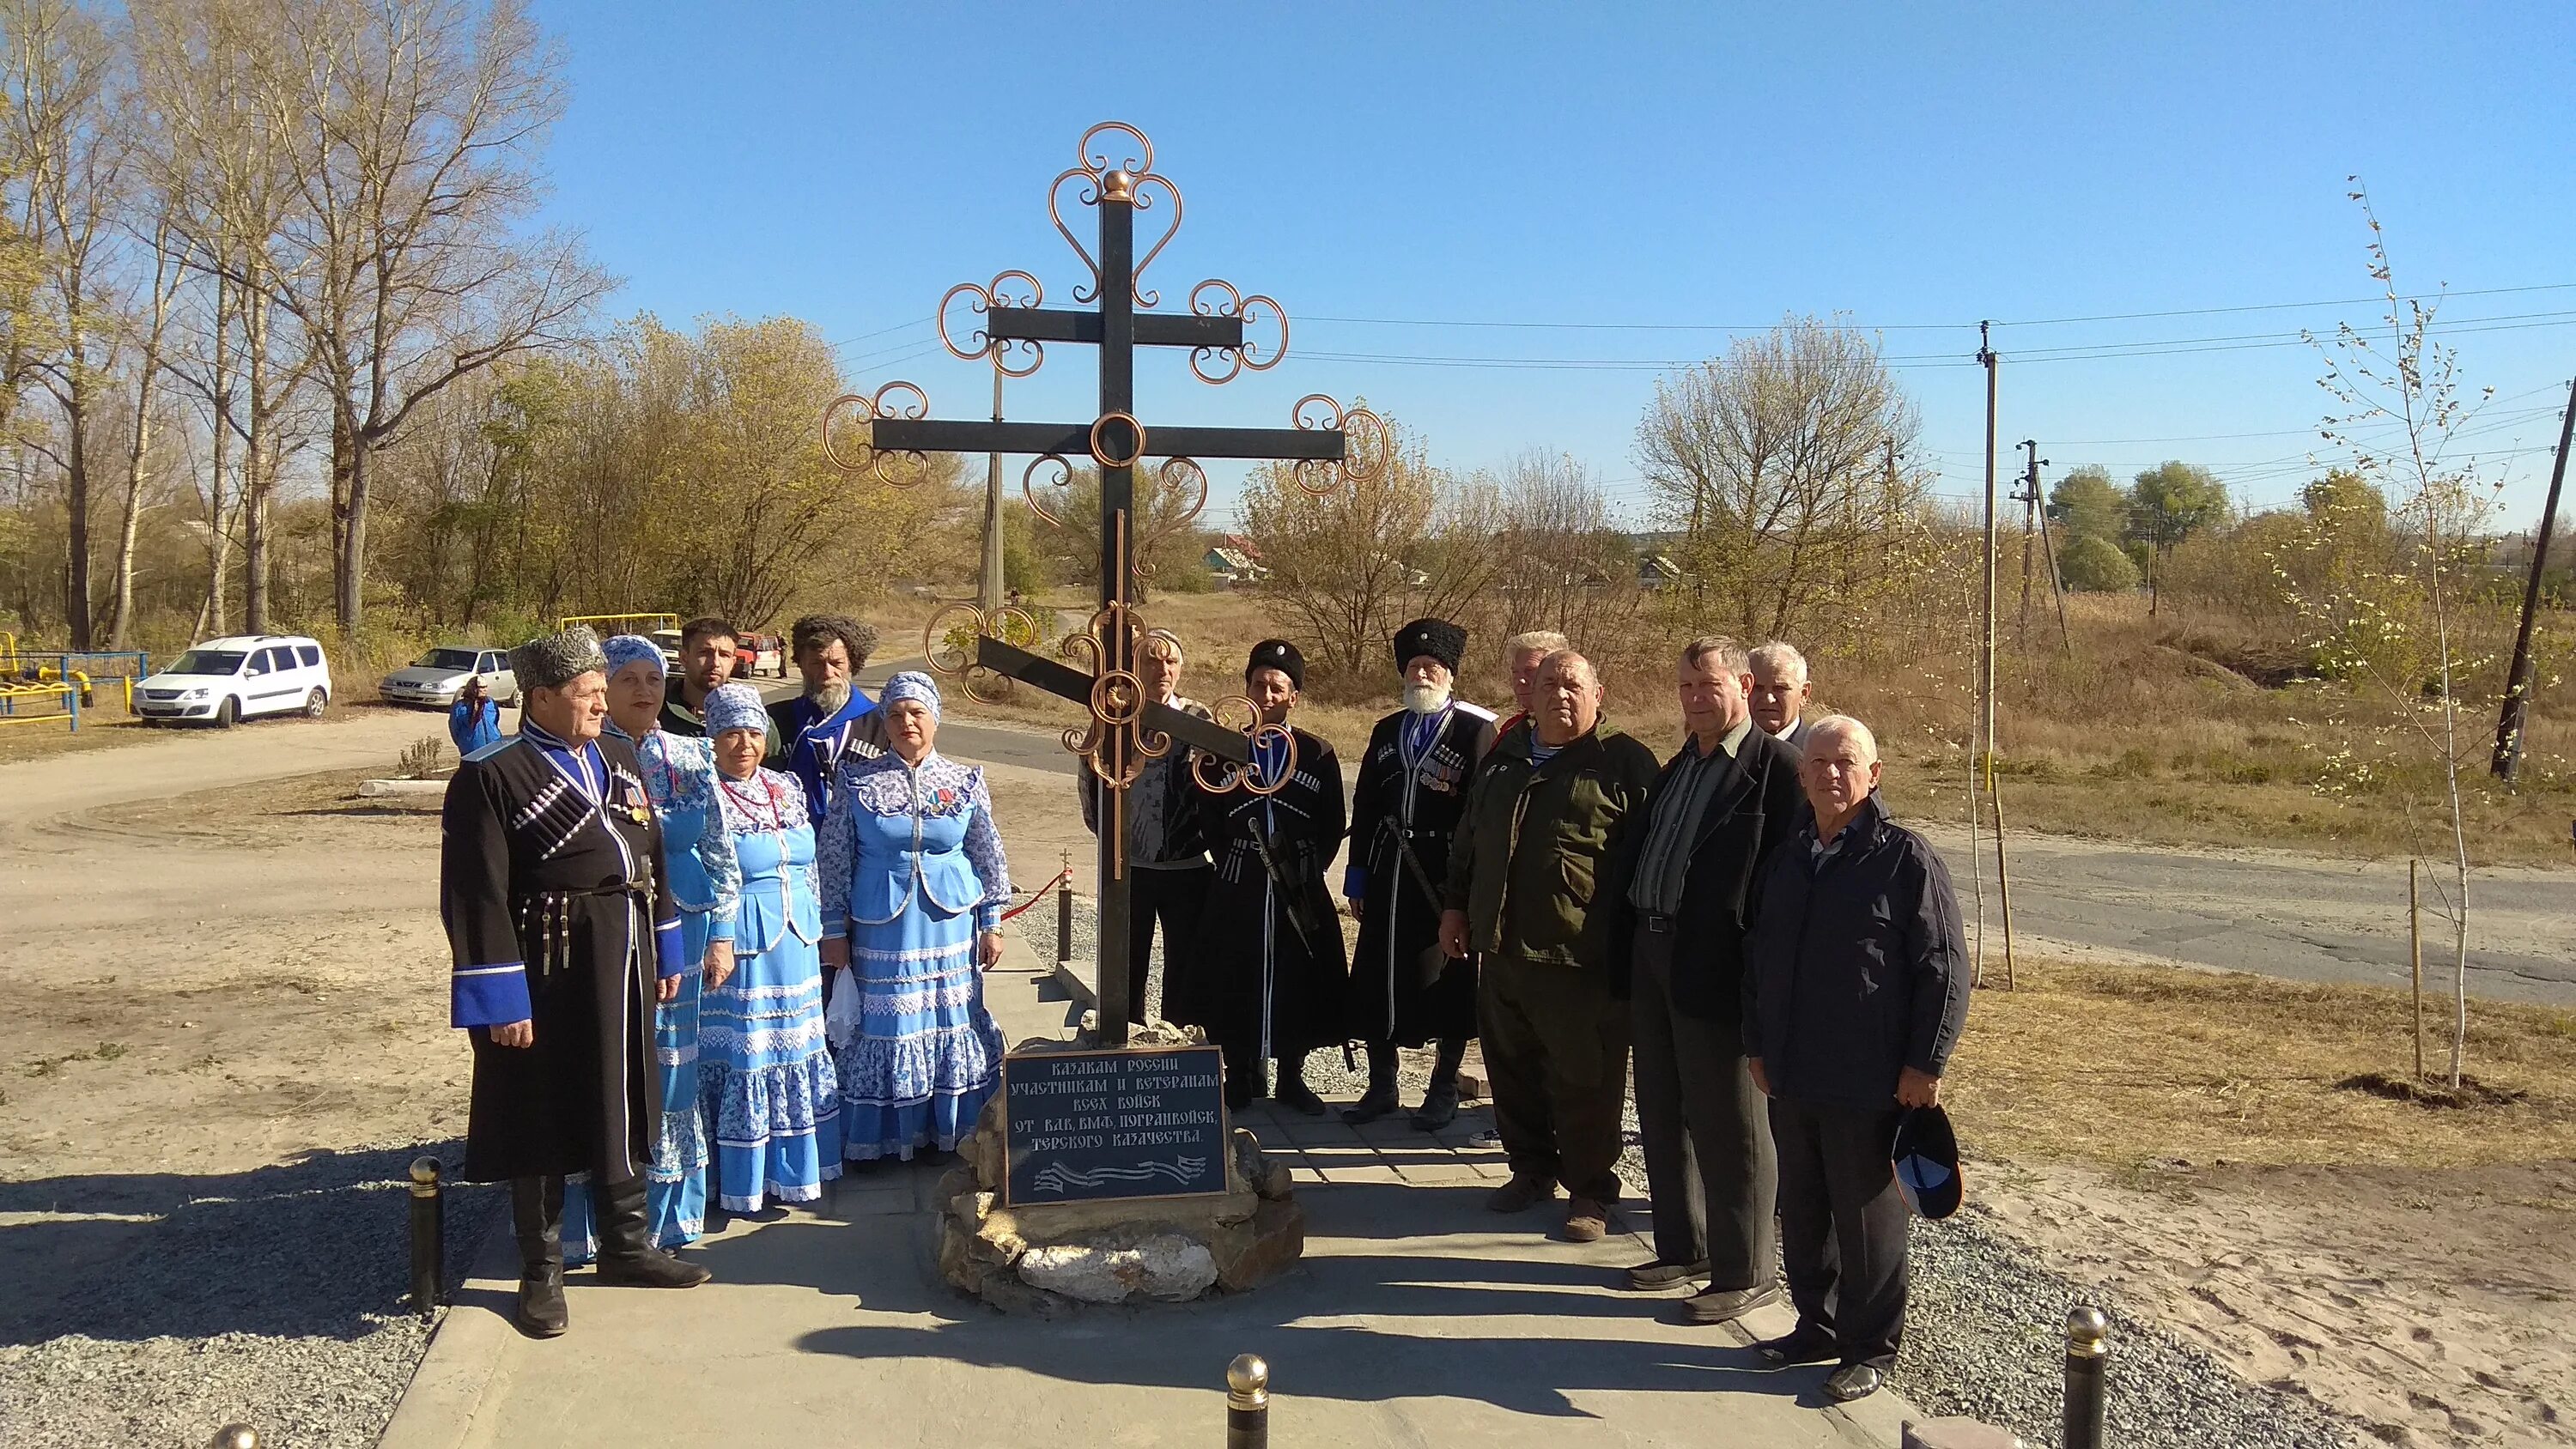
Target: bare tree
x,y
1563,564
1353,562
413,160
68,156
1768,463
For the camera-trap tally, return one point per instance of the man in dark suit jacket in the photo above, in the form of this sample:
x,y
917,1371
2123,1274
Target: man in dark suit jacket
x,y
1723,802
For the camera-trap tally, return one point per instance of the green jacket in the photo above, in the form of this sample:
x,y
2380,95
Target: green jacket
x,y
1531,852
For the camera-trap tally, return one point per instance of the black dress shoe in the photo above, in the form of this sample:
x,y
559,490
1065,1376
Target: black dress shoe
x,y
540,1311
1658,1275
1725,1305
1293,1092
1804,1344
1853,1381
1371,1107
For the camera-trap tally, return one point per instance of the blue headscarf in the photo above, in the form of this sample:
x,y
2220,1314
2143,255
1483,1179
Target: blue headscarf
x,y
911,684
734,707
625,649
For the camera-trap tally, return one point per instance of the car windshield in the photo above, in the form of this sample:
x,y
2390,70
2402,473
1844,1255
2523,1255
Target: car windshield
x,y
457,659
209,661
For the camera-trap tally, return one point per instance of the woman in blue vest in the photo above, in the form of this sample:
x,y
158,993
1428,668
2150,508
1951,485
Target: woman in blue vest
x,y
913,889
680,777
765,1073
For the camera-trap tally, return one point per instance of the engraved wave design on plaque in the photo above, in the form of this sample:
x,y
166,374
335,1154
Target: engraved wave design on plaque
x,y
1055,1177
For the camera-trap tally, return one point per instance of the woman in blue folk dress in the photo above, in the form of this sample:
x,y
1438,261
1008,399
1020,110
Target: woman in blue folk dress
x,y
680,776
765,1073
913,890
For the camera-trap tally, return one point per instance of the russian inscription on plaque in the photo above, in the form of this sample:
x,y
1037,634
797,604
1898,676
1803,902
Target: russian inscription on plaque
x,y
1085,1126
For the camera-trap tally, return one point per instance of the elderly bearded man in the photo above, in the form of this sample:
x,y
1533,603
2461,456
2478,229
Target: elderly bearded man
x,y
1530,894
1404,812
1855,992
565,933
809,732
1726,799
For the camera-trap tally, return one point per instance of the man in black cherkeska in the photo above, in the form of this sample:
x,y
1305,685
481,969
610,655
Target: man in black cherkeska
x,y
1267,982
1412,788
564,933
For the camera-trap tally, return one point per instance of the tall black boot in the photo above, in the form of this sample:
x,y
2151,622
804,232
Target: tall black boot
x,y
1384,1094
536,1214
1440,1102
1246,1082
626,1252
1292,1090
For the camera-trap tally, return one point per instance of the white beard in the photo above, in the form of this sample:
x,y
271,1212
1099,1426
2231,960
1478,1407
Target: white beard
x,y
828,700
1425,698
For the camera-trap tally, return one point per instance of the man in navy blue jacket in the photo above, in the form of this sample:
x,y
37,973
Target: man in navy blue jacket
x,y
1855,991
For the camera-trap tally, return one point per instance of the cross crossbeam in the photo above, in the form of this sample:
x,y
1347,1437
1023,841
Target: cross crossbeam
x,y
1121,319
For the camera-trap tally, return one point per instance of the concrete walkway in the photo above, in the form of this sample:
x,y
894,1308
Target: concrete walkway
x,y
1417,1318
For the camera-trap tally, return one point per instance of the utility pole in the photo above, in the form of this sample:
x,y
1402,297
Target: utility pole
x,y
2517,680
1986,670
2029,496
988,587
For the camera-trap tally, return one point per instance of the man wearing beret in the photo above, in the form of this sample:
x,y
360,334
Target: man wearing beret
x,y
1412,788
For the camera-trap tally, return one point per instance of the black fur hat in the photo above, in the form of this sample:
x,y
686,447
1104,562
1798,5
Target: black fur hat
x,y
1277,654
1438,638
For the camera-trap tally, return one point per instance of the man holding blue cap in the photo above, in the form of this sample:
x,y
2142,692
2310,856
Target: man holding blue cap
x,y
1855,991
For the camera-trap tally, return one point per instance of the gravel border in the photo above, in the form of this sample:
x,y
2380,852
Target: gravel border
x,y
1986,1326
273,1297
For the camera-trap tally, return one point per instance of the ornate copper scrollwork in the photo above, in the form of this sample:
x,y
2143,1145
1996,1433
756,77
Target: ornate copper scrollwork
x,y
1123,179
894,400
1367,446
1000,292
1247,777
1174,474
1028,485
1101,456
950,650
1251,354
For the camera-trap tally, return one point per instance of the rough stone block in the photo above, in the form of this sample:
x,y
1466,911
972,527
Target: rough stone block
x,y
1261,1250
1164,1266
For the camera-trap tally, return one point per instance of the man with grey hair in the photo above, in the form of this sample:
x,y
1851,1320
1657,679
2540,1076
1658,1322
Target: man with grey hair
x,y
1855,992
1726,799
565,934
1779,697
1530,892
1522,654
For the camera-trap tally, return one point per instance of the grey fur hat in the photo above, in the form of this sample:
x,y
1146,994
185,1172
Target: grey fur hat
x,y
551,661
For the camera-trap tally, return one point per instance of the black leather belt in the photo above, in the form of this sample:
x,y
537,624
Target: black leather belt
x,y
1659,925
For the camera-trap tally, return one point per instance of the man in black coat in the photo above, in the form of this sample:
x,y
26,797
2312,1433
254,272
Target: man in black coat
x,y
1724,801
564,934
1412,788
1855,992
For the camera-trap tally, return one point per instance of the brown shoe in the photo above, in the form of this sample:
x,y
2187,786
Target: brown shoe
x,y
1521,1194
1586,1220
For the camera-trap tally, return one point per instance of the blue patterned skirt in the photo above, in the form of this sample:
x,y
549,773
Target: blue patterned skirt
x,y
766,1080
925,1055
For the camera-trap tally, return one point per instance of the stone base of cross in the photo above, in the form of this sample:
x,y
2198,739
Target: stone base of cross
x,y
1327,446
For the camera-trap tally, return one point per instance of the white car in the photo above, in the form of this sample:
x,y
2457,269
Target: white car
x,y
437,677
224,680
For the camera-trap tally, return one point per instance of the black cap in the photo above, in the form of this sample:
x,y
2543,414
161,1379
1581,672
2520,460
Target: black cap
x,y
1277,654
1438,638
1926,1158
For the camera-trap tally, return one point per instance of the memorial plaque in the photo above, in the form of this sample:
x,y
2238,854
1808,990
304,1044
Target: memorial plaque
x,y
1084,1126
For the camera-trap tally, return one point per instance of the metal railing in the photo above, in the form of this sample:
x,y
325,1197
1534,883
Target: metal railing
x,y
14,695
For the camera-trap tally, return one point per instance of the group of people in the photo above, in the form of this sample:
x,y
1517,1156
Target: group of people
x,y
1741,928
785,911
709,949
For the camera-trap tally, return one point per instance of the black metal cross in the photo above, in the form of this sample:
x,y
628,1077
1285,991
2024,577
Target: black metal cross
x,y
1126,729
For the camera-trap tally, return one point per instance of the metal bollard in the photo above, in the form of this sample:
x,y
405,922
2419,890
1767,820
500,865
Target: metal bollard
x,y
234,1436
1064,913
1247,1403
2088,1357
428,1237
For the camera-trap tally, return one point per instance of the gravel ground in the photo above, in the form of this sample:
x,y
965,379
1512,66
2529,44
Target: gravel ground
x,y
272,1297
1986,1323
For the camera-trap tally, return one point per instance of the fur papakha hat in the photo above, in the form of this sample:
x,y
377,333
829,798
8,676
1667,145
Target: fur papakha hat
x,y
551,661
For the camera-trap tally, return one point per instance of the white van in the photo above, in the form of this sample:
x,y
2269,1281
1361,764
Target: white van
x,y
224,680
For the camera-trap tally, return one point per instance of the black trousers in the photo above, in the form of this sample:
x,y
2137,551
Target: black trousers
x,y
1843,1224
1709,1164
1556,1050
1171,895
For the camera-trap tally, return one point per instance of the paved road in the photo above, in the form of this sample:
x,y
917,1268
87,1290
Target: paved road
x,y
2302,917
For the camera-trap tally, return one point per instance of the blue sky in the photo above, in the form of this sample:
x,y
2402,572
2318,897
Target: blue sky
x,y
1406,177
